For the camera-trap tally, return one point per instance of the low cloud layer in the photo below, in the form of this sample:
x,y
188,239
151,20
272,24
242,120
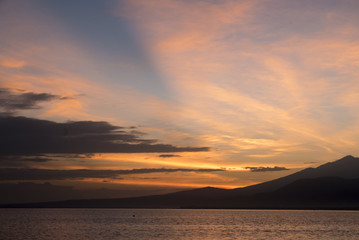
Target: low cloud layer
x,y
7,174
29,136
169,155
22,161
266,169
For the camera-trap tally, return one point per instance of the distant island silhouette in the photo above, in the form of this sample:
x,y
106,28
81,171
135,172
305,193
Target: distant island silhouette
x,y
334,185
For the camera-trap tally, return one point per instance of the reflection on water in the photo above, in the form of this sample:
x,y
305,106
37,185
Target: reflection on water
x,y
176,224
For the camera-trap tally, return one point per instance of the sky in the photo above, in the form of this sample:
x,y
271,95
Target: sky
x,y
161,95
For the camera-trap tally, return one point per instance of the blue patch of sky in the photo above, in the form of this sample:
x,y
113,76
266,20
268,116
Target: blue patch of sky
x,y
113,43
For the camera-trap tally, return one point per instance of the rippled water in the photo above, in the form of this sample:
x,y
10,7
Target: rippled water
x,y
176,224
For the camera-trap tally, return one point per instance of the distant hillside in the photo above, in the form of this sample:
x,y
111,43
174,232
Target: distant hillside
x,y
347,167
333,185
315,193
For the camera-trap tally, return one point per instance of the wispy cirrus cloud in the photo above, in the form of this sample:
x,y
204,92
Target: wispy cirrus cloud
x,y
260,74
11,62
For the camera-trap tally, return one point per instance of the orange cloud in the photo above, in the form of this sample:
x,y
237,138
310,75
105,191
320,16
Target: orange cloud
x,y
11,63
186,26
234,80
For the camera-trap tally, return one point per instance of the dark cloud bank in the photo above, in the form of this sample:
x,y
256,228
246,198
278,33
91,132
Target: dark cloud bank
x,y
7,174
266,169
26,140
169,155
11,101
29,136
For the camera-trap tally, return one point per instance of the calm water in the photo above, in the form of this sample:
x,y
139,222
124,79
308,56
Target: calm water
x,y
176,224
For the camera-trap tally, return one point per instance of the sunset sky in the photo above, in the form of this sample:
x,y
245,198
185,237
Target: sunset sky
x,y
171,94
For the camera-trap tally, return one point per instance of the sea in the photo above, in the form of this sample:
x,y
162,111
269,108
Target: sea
x,y
84,224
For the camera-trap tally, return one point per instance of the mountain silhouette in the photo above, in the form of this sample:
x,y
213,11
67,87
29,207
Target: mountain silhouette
x,y
333,185
346,167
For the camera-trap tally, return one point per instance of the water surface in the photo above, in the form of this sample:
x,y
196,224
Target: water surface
x,y
176,224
